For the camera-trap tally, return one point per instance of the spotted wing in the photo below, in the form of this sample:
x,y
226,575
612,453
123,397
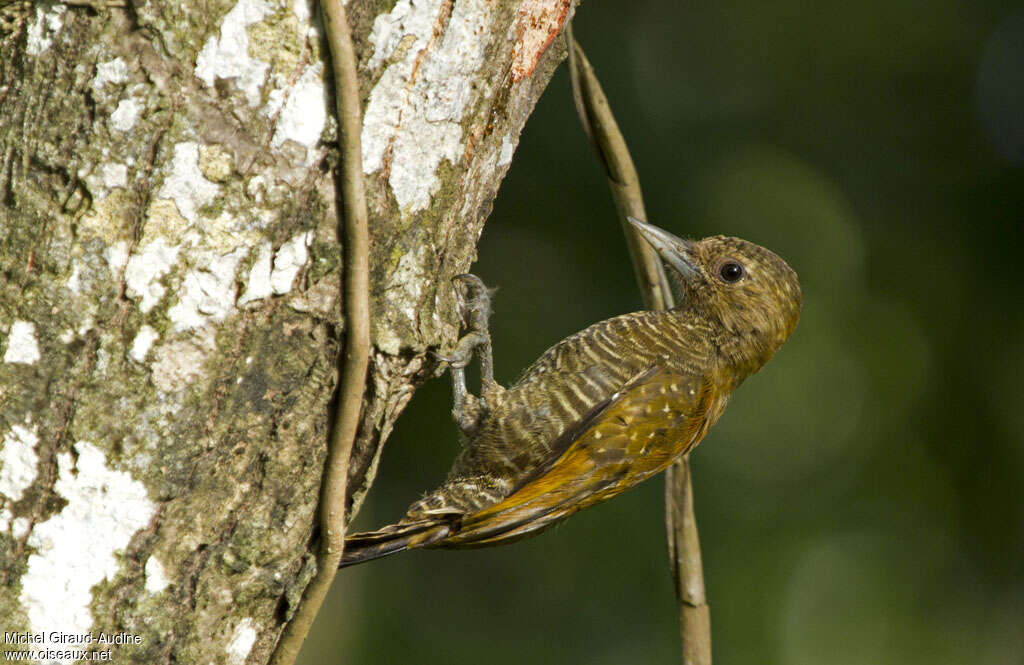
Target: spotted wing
x,y
632,435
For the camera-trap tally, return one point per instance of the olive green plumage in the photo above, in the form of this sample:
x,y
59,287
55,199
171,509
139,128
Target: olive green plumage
x,y
605,408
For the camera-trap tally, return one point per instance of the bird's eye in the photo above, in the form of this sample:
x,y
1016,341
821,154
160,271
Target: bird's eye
x,y
731,272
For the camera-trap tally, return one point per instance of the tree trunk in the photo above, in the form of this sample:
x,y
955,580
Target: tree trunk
x,y
169,290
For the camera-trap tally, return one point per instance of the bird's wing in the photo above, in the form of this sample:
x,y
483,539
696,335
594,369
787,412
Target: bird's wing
x,y
638,431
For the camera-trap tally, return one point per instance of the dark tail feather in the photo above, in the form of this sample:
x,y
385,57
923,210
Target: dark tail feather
x,y
360,547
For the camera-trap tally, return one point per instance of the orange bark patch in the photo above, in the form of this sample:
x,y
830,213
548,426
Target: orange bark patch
x,y
537,25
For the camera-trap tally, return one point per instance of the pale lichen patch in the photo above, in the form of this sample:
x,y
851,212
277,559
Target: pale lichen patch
x,y
49,18
258,285
185,184
88,321
20,527
304,18
76,548
114,175
126,114
113,71
143,342
18,460
301,111
116,256
144,270
207,292
156,578
508,148
413,114
227,56
242,639
106,177
288,261
74,283
22,347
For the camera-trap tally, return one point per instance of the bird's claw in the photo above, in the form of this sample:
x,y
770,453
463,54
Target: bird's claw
x,y
475,306
462,354
475,309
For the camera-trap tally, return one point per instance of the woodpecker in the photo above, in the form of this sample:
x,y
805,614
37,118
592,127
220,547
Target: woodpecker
x,y
604,409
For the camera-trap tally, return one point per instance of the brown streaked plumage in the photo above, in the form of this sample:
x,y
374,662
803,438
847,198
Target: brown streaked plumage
x,y
603,409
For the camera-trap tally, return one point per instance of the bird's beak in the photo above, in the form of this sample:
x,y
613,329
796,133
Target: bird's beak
x,y
676,252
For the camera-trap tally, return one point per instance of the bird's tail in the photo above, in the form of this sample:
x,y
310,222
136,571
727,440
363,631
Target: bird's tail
x,y
369,545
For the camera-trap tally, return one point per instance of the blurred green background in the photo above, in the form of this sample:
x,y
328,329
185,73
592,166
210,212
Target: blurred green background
x,y
861,501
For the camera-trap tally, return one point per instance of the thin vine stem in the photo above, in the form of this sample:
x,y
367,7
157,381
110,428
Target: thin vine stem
x,y
599,123
353,358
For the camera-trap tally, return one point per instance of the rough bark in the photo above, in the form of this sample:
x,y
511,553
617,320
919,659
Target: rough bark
x,y
169,273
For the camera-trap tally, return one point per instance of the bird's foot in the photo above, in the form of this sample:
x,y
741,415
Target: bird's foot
x,y
475,308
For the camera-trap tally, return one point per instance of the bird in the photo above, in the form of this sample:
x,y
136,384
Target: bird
x,y
603,409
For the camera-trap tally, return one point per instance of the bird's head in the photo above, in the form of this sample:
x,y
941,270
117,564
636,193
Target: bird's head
x,y
743,288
